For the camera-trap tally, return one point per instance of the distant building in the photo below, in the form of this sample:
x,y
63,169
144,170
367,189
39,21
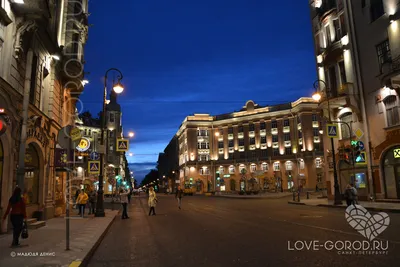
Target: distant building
x,y
168,165
274,147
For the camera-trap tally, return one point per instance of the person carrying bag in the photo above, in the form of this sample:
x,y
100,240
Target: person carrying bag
x,y
17,210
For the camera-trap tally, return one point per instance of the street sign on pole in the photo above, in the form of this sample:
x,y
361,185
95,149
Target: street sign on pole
x,y
94,167
76,134
122,145
362,158
332,130
94,156
359,133
361,145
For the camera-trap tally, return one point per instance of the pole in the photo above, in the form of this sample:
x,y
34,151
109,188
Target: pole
x,y
67,222
25,107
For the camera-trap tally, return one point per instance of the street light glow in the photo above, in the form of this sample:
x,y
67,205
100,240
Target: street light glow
x,y
316,96
131,134
118,88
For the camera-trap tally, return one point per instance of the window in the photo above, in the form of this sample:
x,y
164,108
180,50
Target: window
x,y
286,123
262,125
287,136
251,127
332,80
343,25
347,118
264,166
376,9
252,141
392,111
384,54
319,177
112,117
318,42
316,131
32,90
289,165
301,164
340,4
241,168
242,155
300,134
240,129
264,153
253,167
241,142
288,150
231,169
221,144
338,31
203,158
277,166
274,124
253,155
221,170
230,130
275,151
318,163
274,138
231,144
230,156
204,171
317,146
314,117
263,139
343,78
328,34
221,132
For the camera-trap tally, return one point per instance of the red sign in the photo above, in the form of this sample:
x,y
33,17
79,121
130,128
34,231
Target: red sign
x,y
3,127
2,110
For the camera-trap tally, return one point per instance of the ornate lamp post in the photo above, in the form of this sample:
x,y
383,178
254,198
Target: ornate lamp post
x,y
118,88
317,96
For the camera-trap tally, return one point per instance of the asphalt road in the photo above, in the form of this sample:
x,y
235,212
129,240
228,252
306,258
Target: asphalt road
x,y
219,232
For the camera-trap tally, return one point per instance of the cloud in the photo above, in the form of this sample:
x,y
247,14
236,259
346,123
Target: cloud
x,y
141,169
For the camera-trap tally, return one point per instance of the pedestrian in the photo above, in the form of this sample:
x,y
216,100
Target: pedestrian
x,y
355,193
124,202
81,202
17,210
349,195
129,196
152,201
92,201
178,196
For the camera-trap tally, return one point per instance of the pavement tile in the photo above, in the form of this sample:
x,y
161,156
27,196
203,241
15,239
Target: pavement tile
x,y
51,238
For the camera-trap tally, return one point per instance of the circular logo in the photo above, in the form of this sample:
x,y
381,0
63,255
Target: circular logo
x,y
84,145
13,254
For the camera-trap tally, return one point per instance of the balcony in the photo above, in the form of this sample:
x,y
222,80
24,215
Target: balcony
x,y
299,126
327,8
274,131
230,136
252,134
240,135
264,146
252,147
220,138
288,143
316,139
241,148
263,132
275,145
315,124
286,129
231,150
300,141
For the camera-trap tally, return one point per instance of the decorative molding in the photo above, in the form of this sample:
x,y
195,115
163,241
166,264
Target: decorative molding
x,y
27,26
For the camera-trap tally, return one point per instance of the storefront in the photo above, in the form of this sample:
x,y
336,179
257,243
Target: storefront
x,y
353,174
391,172
32,178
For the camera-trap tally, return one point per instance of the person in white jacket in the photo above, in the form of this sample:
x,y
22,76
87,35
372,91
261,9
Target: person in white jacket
x,y
124,201
152,201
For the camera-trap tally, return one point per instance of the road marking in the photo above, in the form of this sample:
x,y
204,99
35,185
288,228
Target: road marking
x,y
75,264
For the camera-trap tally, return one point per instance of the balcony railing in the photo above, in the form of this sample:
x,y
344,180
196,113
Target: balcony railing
x,y
391,68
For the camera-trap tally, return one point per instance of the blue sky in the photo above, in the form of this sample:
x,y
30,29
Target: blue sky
x,y
183,57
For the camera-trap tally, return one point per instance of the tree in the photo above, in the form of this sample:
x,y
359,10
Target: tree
x,y
152,176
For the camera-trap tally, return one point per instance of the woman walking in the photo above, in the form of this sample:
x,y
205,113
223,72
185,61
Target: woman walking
x,y
17,207
124,201
82,201
152,201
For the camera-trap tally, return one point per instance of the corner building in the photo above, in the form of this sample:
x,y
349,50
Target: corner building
x,y
258,148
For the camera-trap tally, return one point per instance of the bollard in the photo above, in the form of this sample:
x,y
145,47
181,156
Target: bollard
x,y
308,195
294,196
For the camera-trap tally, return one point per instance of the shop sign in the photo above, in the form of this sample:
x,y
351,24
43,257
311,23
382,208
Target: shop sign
x,y
84,145
61,158
3,127
39,135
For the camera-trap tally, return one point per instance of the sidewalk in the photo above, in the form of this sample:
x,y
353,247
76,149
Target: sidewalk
x,y
85,234
373,206
259,196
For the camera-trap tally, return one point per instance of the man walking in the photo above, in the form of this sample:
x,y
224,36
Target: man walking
x,y
178,196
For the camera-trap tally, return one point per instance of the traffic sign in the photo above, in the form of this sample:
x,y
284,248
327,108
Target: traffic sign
x,y
362,158
94,156
360,145
76,134
359,133
332,130
94,167
122,144
396,153
84,145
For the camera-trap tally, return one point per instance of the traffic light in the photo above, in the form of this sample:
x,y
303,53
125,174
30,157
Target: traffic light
x,y
356,149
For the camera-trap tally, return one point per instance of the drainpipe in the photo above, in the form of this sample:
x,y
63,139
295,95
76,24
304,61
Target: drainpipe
x,y
25,107
357,69
297,143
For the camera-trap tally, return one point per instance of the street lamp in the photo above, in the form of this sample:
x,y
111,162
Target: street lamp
x,y
131,134
317,97
118,88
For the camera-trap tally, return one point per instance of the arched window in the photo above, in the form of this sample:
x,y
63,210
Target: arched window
x,y
264,166
253,167
288,165
392,110
347,118
241,167
231,169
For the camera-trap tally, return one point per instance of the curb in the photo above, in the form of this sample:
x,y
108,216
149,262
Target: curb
x,y
296,203
89,255
252,197
370,208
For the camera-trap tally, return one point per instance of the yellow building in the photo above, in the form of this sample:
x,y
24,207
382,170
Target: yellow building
x,y
258,148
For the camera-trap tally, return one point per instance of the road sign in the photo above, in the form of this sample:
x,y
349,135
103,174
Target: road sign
x,y
360,145
76,134
84,145
396,153
94,156
332,130
94,167
122,144
362,158
359,133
